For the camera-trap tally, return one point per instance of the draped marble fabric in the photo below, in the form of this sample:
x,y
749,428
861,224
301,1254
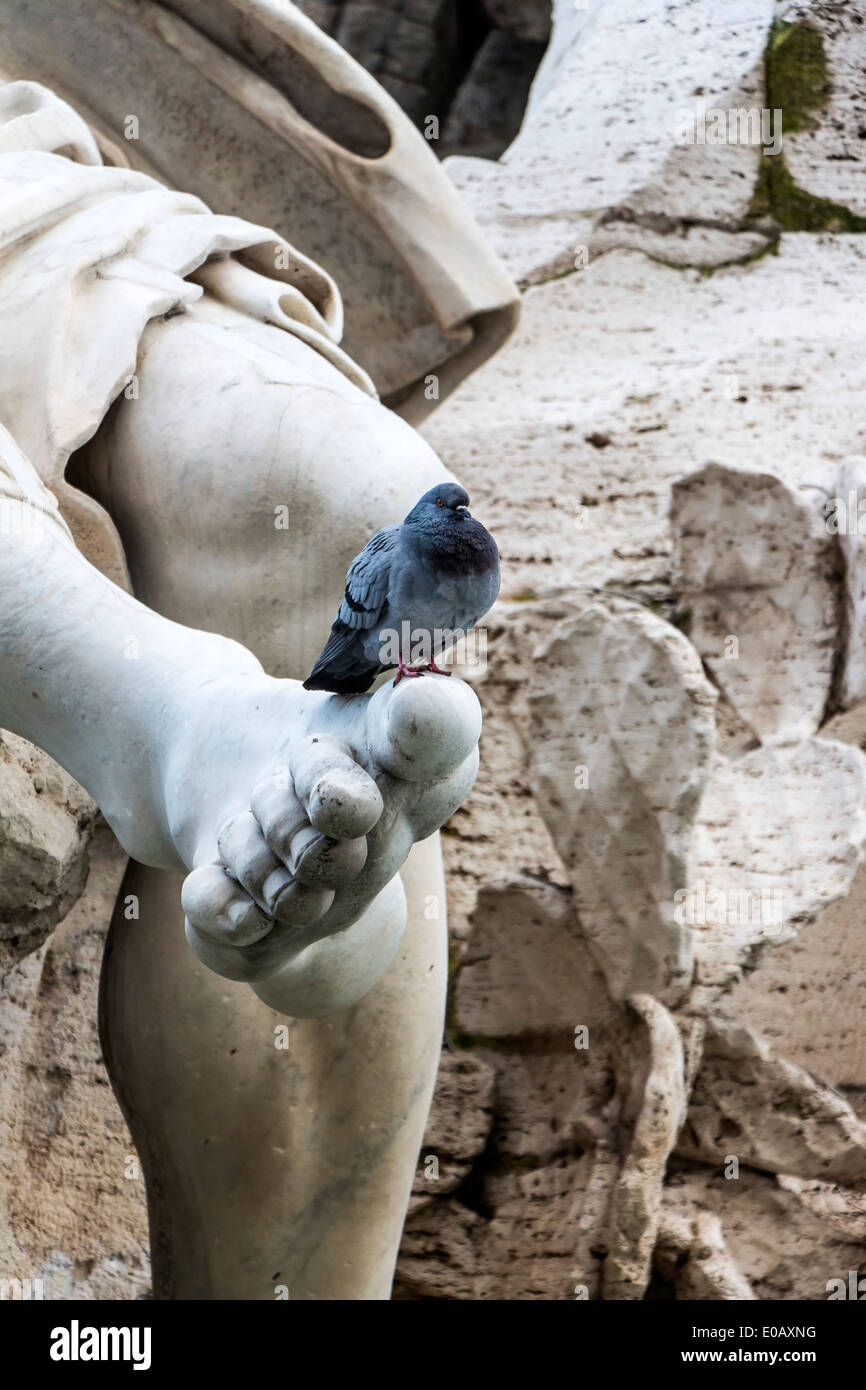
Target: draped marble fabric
x,y
25,501
250,106
88,255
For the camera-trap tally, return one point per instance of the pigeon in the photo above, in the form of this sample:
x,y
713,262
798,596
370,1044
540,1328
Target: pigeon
x,y
425,582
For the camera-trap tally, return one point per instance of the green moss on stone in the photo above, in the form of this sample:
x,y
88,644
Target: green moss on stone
x,y
797,84
796,74
794,210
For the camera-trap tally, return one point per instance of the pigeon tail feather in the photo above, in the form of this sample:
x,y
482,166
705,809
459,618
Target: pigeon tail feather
x,y
348,683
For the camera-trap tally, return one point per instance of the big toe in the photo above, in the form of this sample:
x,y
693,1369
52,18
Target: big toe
x,y
422,730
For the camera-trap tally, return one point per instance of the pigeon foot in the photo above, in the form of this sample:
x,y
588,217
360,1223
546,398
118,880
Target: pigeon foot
x,y
404,670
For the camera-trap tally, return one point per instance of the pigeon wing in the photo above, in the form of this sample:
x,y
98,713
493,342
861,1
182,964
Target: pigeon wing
x,y
363,604
367,581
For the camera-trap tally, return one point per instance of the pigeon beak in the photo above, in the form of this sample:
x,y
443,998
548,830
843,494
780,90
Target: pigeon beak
x,y
464,511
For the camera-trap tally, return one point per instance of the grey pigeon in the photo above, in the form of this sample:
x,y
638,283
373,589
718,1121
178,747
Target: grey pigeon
x,y
436,575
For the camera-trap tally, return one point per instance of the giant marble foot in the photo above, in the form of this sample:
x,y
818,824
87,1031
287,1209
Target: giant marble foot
x,y
295,810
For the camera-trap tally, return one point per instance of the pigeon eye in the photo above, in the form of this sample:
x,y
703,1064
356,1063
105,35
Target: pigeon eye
x,y
439,502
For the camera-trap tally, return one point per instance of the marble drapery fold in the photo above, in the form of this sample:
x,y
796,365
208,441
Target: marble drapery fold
x,y
89,254
250,106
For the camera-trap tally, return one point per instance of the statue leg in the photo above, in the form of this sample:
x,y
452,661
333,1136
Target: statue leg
x,y
271,1170
265,1167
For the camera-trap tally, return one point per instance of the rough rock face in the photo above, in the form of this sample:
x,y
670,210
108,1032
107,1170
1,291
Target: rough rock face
x,y
846,518
653,1110
776,1115
662,434
495,996
818,74
71,1191
775,606
458,1127
522,1222
468,63
597,157
622,737
655,1071
780,835
45,826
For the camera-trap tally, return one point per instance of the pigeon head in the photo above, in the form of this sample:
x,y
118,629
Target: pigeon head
x,y
448,500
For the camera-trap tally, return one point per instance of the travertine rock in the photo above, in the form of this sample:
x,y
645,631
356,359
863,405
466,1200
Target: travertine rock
x,y
529,1221
768,1113
528,1218
543,1242
71,1189
548,1099
693,1257
438,1258
696,209
779,836
588,439
671,368
758,573
654,1106
807,998
524,971
846,519
786,1237
821,90
458,1125
438,59
46,820
528,18
602,122
487,108
622,741
529,1251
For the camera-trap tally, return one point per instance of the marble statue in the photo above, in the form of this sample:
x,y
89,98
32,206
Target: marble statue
x,y
181,425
